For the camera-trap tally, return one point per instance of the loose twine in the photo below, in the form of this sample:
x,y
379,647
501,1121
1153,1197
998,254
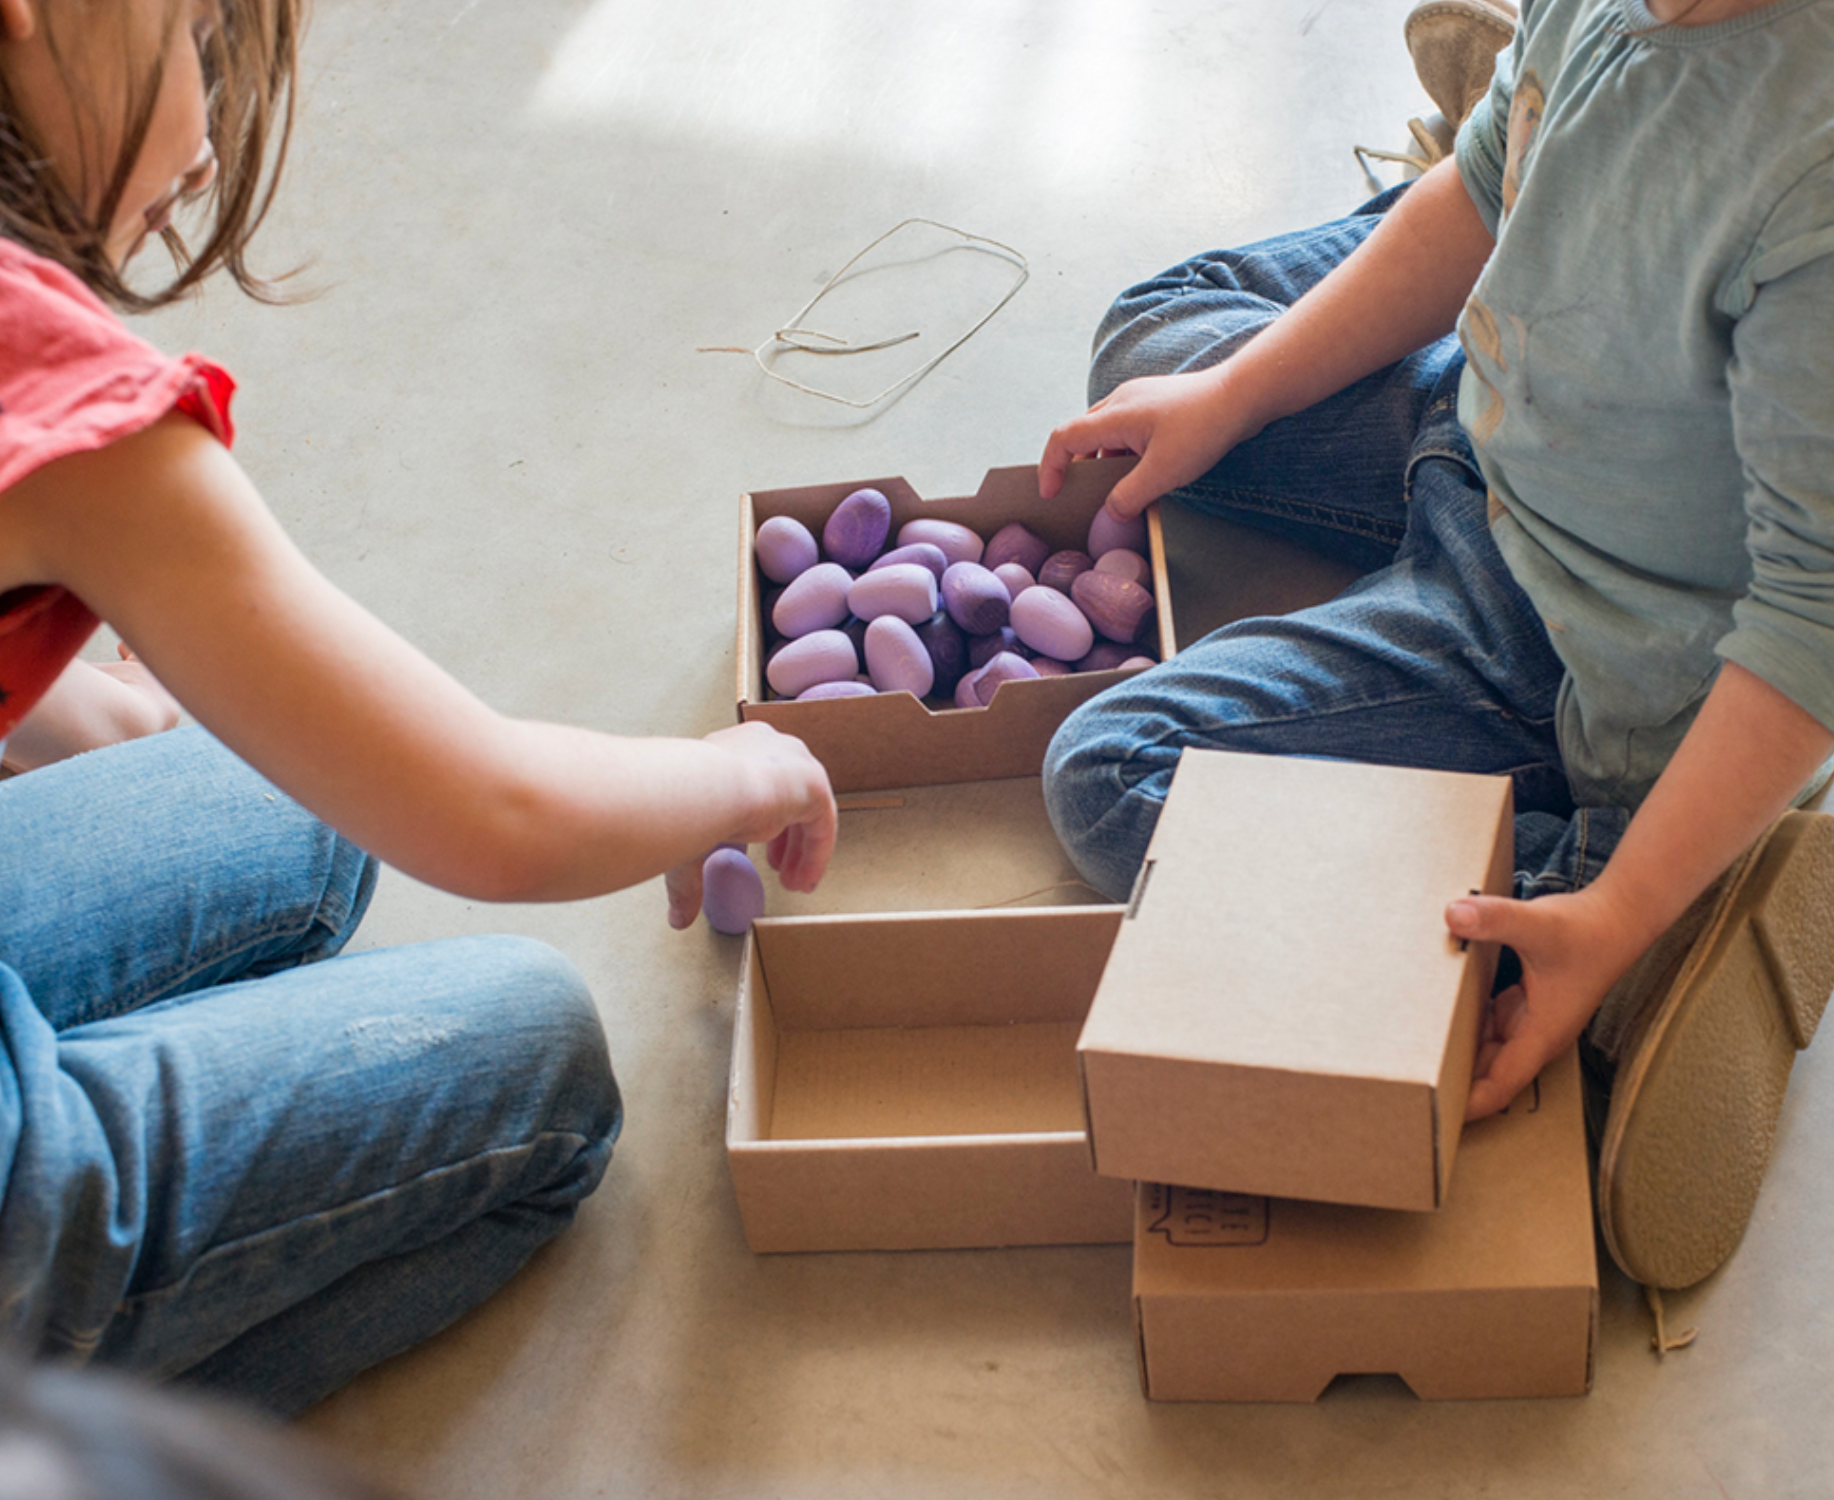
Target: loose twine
x,y
1660,1341
794,337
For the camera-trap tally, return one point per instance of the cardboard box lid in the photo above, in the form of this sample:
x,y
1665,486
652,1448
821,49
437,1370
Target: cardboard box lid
x,y
1284,1011
1242,1297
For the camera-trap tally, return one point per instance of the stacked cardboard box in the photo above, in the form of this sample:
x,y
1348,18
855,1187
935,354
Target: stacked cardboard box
x,y
1277,1022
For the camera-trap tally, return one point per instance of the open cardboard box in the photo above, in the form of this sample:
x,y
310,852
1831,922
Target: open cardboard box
x,y
893,739
910,1082
1243,1298
1283,1011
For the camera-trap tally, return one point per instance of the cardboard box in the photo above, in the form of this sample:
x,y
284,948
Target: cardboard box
x,y
1240,1298
893,739
1284,1012
909,1082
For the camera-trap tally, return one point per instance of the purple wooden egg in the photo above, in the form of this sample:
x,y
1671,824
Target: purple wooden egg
x,y
854,628
1019,544
964,690
785,547
948,649
856,532
731,892
1116,608
1104,656
957,542
851,688
1061,569
821,656
768,607
1046,666
897,658
984,648
1107,532
976,600
1137,663
1126,564
918,552
813,600
1051,625
1006,667
907,590
1016,579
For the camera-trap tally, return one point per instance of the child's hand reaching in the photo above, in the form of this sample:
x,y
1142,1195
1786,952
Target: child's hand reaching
x,y
1180,425
1572,950
795,817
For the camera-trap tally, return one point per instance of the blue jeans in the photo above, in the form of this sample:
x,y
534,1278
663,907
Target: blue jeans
x,y
1434,658
229,1155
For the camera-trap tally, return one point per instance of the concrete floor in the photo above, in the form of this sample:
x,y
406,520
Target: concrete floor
x,y
494,428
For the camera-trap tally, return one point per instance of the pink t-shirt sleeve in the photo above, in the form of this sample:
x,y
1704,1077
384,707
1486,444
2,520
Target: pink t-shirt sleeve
x,y
73,379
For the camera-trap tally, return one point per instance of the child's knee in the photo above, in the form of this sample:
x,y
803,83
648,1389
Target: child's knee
x,y
1082,788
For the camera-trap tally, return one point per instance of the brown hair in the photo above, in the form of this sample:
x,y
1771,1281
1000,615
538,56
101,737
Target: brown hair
x,y
250,62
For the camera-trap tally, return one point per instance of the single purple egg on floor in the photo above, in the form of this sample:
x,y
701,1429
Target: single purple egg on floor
x,y
732,891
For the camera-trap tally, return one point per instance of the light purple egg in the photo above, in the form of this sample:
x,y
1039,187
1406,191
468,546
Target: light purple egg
x,y
821,656
964,690
907,590
1006,667
1126,564
1016,579
976,600
918,552
1136,663
1051,625
731,892
1016,543
813,600
1046,666
1061,569
896,658
851,688
948,649
785,547
1117,609
1107,532
984,648
957,542
856,532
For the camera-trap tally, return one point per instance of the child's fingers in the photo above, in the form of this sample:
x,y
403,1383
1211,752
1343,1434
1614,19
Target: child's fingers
x,y
683,884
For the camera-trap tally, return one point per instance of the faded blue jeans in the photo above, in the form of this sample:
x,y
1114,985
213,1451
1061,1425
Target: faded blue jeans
x,y
1434,658
229,1155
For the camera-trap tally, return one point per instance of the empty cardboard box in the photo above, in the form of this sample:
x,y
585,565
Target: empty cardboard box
x,y
1284,1012
910,1082
893,739
1245,1298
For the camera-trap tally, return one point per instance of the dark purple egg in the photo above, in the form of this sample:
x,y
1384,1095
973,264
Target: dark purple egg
x,y
856,532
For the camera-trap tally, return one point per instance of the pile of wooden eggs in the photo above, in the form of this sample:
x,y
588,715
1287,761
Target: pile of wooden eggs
x,y
944,612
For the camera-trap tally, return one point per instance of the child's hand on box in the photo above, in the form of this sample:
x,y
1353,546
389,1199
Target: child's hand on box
x,y
1180,425
1572,948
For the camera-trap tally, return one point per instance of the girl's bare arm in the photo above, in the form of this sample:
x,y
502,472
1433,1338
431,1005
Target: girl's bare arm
x,y
164,537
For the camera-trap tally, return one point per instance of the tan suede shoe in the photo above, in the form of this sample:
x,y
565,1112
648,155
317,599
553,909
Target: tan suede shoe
x,y
1454,44
1726,998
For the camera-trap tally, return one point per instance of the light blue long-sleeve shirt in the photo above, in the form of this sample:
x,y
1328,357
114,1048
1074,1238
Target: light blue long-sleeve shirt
x,y
1650,387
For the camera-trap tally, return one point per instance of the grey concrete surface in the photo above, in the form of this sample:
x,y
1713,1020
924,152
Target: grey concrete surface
x,y
492,426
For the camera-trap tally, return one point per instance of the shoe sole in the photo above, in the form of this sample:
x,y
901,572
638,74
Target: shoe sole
x,y
1695,1105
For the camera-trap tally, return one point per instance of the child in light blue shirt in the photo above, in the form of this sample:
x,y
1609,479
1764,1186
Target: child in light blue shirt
x,y
1597,540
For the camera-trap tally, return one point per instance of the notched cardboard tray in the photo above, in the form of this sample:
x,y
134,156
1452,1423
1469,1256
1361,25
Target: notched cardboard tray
x,y
1245,1298
893,739
910,1082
